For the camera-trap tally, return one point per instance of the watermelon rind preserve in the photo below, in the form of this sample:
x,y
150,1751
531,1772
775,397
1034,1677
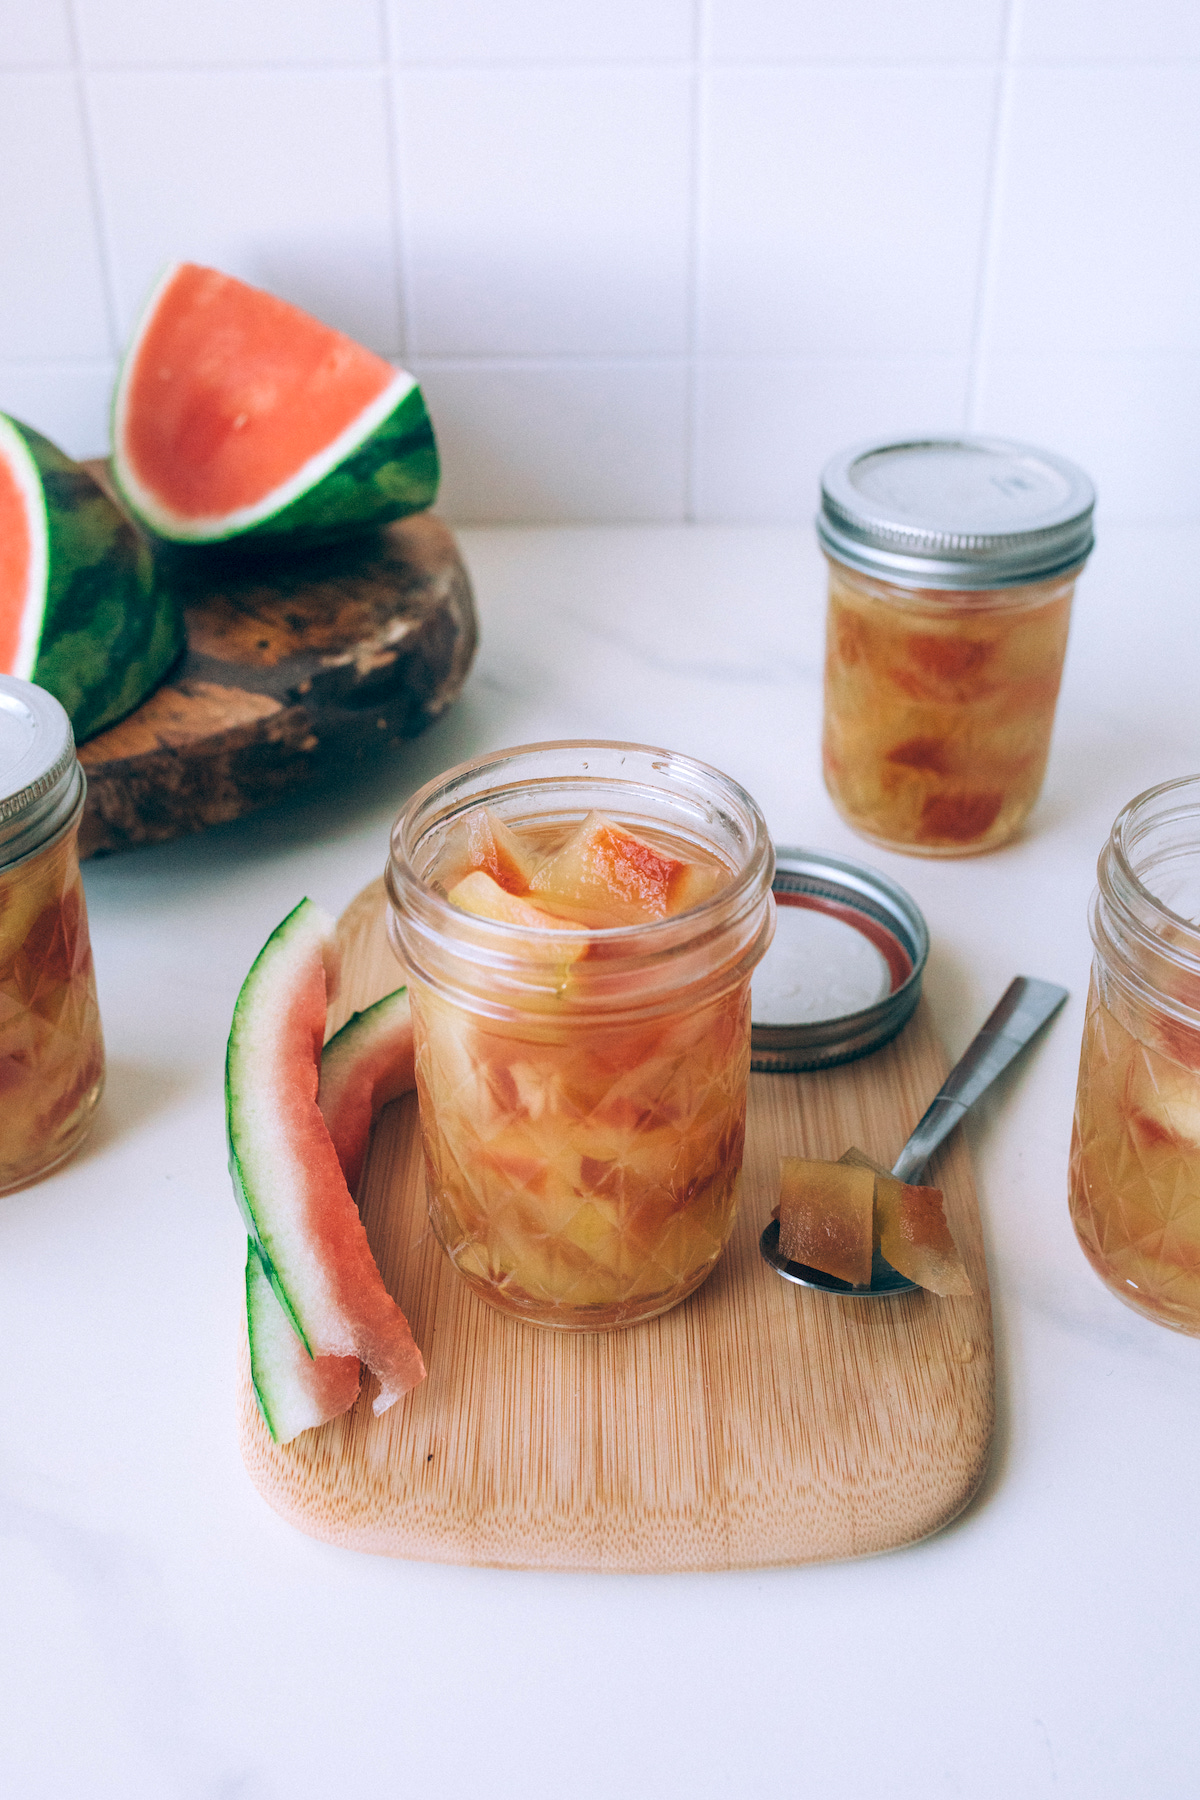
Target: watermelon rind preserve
x,y
239,417
83,612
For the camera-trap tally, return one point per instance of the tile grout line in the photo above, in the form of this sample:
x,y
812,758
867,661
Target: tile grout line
x,y
99,216
695,223
400,259
989,243
553,65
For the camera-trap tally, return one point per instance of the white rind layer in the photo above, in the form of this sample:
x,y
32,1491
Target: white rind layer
x,y
216,526
24,470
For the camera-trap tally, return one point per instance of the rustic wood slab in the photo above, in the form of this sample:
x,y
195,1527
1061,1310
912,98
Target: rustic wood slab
x,y
295,666
757,1424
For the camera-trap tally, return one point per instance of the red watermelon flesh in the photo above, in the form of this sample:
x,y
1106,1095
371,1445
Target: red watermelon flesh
x,y
285,1169
19,589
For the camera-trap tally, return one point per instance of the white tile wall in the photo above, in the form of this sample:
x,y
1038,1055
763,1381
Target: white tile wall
x,y
280,177
546,212
834,219
652,262
149,33
33,36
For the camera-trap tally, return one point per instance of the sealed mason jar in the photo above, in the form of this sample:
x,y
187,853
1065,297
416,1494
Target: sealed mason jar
x,y
1135,1148
583,1090
51,1050
952,567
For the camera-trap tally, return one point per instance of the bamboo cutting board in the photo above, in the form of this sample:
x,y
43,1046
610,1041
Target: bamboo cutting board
x,y
757,1424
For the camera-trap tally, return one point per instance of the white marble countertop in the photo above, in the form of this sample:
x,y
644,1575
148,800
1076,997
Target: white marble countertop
x,y
164,1634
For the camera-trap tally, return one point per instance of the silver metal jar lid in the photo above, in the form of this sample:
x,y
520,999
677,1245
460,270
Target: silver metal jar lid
x,y
41,782
843,972
957,513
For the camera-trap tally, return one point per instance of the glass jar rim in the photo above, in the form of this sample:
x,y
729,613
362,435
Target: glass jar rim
x,y
634,948
762,852
1126,912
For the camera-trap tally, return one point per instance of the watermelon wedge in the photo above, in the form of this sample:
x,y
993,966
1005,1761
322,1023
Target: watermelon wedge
x,y
237,416
82,612
286,1175
295,1391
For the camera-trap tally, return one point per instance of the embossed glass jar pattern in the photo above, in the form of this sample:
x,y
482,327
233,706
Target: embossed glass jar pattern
x,y
51,1048
583,1122
1135,1148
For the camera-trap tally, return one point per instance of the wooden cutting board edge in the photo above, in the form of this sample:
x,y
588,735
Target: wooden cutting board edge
x,y
779,1456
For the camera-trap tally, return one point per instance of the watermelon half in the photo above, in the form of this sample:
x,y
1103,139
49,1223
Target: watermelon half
x,y
286,1175
82,611
237,416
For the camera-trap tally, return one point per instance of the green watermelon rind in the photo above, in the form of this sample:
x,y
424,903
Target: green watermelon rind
x,y
287,1402
382,467
285,1399
297,929
111,627
359,1053
285,1172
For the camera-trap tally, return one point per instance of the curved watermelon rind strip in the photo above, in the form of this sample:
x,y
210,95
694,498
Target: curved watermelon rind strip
x,y
109,627
286,1176
294,1391
370,1061
363,1066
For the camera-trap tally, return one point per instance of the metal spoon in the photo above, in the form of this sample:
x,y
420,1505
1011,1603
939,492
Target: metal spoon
x,y
1026,1006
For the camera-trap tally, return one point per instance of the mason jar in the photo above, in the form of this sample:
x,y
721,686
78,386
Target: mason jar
x,y
51,1049
583,1116
952,568
1135,1148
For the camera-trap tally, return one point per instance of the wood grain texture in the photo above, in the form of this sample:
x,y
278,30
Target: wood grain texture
x,y
295,666
757,1424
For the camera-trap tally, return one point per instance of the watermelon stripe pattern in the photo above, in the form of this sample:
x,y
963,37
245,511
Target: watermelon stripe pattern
x,y
98,627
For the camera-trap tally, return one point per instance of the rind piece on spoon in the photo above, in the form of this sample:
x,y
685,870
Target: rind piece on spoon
x,y
825,1217
911,1232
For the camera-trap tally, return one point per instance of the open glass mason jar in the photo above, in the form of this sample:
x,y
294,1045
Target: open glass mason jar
x,y
583,1091
51,1050
952,566
1135,1150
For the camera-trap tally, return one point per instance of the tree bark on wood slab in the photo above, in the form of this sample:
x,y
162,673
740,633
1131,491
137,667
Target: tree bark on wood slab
x,y
295,666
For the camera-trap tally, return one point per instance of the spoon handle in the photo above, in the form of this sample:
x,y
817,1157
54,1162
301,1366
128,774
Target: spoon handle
x,y
1026,1006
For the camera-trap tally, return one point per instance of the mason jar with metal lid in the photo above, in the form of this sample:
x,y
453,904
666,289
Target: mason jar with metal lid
x,y
952,567
51,1049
